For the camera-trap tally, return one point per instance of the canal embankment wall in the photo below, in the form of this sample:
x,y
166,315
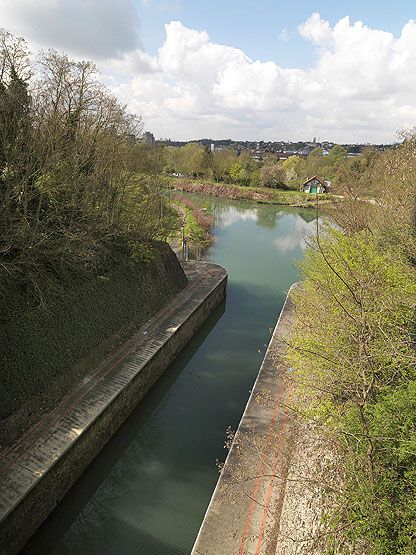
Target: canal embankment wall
x,y
37,471
50,341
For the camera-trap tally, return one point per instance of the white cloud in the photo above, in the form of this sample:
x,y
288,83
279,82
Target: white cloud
x,y
361,88
317,30
285,35
232,215
89,28
302,230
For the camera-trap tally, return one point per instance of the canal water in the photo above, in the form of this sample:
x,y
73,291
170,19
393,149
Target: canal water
x,y
148,490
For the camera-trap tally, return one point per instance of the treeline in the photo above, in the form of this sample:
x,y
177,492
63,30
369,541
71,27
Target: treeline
x,y
74,181
353,350
226,166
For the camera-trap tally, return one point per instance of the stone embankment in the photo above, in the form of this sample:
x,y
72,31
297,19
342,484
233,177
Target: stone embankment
x,y
43,464
268,498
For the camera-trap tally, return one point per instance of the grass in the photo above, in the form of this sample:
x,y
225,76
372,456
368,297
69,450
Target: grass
x,y
198,225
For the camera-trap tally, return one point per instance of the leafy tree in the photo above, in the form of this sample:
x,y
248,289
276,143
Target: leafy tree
x,y
294,169
272,175
352,347
236,172
69,162
337,154
193,156
222,161
314,163
207,163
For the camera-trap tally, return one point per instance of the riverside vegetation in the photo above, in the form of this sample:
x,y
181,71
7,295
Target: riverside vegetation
x,y
225,173
83,208
353,351
197,225
261,195
226,166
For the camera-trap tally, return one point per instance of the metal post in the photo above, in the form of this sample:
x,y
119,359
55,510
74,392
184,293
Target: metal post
x,y
183,243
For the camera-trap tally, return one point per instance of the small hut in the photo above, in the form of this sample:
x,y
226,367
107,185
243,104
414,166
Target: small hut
x,y
315,185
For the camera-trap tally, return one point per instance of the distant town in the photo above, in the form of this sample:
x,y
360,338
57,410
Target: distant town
x,y
259,149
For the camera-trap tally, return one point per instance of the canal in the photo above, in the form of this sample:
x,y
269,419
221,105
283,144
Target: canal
x,y
147,492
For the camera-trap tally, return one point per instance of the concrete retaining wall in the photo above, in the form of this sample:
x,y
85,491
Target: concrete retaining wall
x,y
37,472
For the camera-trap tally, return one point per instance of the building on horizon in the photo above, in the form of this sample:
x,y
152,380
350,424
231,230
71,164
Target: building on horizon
x,y
148,138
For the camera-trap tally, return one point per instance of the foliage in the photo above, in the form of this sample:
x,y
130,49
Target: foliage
x,y
194,160
352,345
294,170
74,179
272,175
240,168
197,225
46,350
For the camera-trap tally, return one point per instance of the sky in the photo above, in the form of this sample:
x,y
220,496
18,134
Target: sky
x,y
259,70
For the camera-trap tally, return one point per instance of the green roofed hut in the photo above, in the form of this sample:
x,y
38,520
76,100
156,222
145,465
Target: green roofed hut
x,y
315,185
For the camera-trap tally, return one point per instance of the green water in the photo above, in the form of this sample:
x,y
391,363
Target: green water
x,y
148,490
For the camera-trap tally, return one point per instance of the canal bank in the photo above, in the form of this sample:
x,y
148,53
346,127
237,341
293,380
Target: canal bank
x,y
37,471
261,195
243,516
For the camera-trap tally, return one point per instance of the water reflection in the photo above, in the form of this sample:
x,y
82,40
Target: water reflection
x,y
301,230
226,216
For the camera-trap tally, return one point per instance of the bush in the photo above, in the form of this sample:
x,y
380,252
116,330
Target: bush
x,y
352,345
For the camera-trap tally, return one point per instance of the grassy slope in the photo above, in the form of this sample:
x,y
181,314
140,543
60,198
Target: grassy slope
x,y
46,349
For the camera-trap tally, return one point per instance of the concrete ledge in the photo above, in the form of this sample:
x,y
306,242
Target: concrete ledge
x,y
244,513
41,467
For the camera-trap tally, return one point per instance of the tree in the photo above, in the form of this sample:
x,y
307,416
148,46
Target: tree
x,y
272,175
314,163
352,348
74,180
17,164
222,161
207,163
236,172
337,154
294,169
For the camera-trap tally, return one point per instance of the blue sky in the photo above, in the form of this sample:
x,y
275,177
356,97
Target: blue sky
x,y
255,25
242,69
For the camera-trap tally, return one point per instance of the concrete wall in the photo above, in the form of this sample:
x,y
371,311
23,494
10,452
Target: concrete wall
x,y
39,499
